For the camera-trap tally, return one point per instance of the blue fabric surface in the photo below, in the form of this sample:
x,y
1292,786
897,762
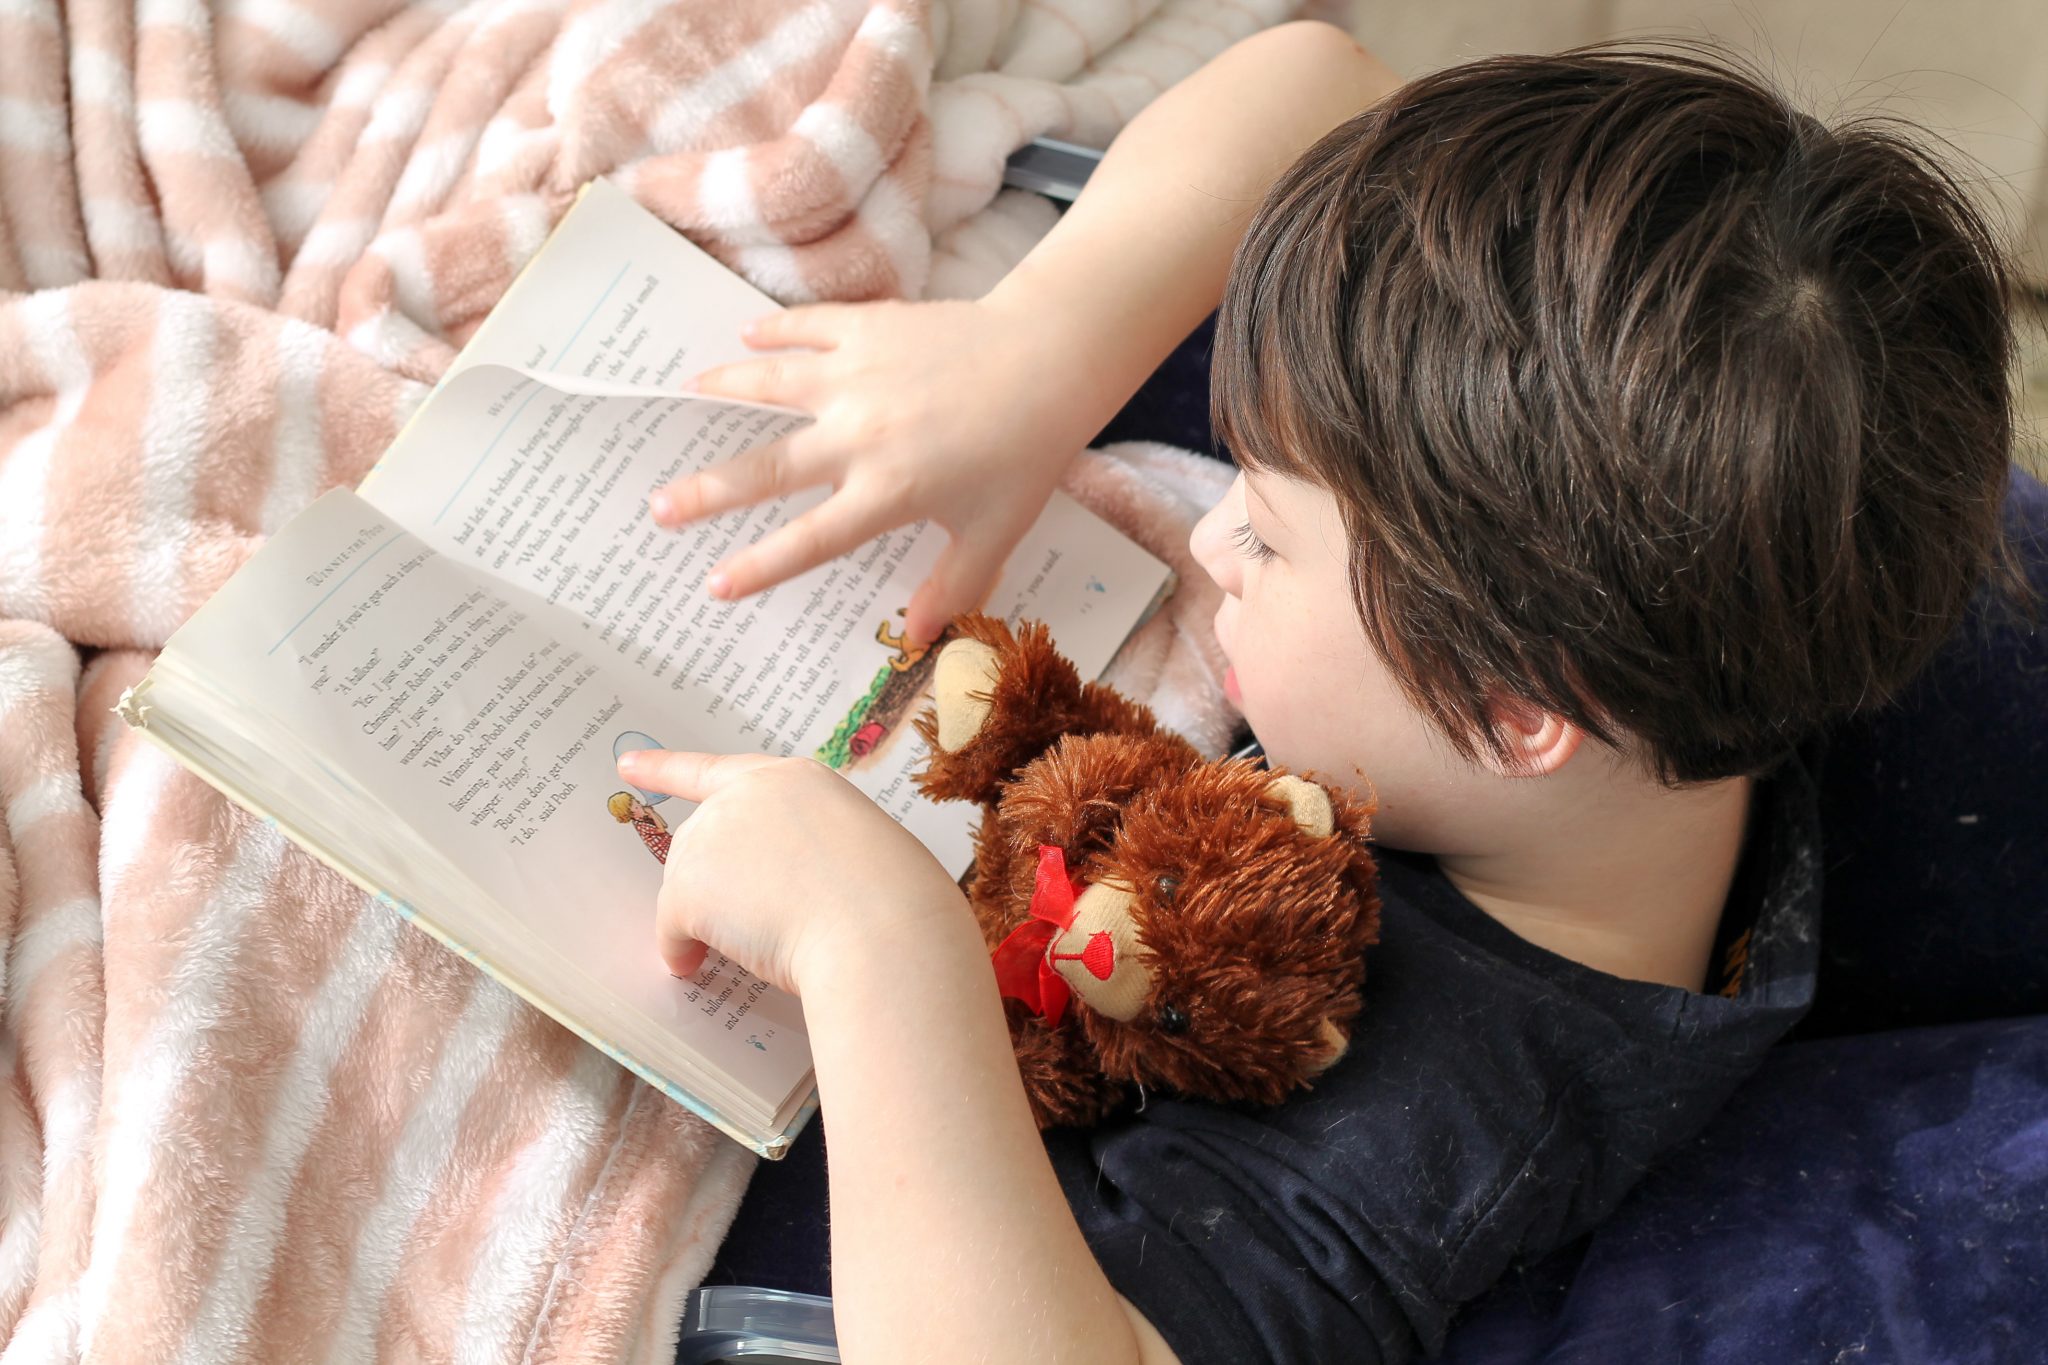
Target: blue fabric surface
x,y
779,1237
1872,1199
1173,404
1935,816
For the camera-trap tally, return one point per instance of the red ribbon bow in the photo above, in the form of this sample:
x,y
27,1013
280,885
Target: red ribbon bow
x,y
1023,961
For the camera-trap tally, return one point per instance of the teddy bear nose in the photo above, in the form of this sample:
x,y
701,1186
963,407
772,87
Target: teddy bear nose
x,y
1099,957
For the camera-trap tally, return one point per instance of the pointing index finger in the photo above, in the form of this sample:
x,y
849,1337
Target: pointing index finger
x,y
692,776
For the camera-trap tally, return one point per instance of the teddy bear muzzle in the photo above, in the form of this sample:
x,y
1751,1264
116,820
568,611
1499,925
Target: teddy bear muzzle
x,y
1100,954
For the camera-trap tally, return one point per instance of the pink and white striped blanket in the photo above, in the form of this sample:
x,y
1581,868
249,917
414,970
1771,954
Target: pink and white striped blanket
x,y
247,1114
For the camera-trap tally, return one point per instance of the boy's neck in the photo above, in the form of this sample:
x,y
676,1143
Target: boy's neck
x,y
1627,878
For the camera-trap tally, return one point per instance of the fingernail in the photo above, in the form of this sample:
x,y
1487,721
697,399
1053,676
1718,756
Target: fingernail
x,y
663,505
718,585
629,760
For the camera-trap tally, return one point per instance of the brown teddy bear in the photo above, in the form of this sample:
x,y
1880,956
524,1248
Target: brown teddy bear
x,y
1157,921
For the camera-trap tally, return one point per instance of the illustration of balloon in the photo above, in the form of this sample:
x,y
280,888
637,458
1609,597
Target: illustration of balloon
x,y
628,741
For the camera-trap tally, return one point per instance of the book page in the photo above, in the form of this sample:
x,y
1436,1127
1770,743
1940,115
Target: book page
x,y
534,462
616,294
487,725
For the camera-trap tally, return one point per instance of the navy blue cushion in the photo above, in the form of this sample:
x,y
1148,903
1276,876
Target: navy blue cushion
x,y
1173,404
1935,817
780,1238
1871,1199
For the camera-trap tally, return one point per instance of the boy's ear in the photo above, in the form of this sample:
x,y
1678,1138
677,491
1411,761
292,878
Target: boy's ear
x,y
1538,742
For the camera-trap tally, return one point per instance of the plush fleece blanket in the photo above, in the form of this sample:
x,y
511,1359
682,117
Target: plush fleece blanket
x,y
247,1114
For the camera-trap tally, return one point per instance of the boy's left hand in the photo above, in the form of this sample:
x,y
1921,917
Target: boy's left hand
x,y
783,864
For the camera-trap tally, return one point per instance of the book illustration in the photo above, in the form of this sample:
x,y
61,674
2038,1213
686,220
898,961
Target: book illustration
x,y
637,807
872,724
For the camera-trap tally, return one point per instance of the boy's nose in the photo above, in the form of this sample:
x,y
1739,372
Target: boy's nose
x,y
1210,541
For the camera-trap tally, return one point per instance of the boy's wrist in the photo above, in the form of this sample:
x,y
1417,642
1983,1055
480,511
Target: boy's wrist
x,y
926,933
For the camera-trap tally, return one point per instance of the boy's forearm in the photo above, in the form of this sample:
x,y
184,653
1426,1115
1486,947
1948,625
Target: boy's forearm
x,y
1141,256
951,1239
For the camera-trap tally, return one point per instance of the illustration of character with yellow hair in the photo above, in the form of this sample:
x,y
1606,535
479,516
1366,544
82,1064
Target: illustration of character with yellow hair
x,y
628,809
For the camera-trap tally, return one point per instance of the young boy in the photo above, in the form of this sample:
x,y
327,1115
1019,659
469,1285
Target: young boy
x,y
1608,428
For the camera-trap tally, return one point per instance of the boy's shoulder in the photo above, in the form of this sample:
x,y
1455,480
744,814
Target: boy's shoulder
x,y
1497,1100
1761,976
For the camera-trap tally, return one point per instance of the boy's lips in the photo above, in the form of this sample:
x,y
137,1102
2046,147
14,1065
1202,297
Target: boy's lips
x,y
1230,687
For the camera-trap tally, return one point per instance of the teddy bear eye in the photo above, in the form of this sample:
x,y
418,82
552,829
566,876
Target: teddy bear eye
x,y
1172,1019
1168,887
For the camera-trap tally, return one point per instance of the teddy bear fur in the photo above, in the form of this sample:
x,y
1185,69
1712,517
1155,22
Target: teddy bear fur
x,y
1251,892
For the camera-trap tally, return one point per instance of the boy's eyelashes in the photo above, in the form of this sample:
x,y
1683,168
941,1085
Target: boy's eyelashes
x,y
1249,544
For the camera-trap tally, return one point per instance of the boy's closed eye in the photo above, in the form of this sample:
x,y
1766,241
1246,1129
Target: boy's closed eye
x,y
1249,544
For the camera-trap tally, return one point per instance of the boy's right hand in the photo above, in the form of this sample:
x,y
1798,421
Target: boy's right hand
x,y
960,411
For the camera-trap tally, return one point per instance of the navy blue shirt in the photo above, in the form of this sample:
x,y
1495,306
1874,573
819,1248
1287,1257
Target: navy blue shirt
x,y
1497,1100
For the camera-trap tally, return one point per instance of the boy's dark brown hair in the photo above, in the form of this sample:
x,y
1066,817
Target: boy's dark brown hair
x,y
1646,398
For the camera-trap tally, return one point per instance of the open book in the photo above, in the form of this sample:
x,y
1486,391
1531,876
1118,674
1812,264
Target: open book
x,y
426,682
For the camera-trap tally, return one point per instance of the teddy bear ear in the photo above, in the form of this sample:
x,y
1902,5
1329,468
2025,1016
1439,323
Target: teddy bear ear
x,y
1307,803
962,683
1333,1041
